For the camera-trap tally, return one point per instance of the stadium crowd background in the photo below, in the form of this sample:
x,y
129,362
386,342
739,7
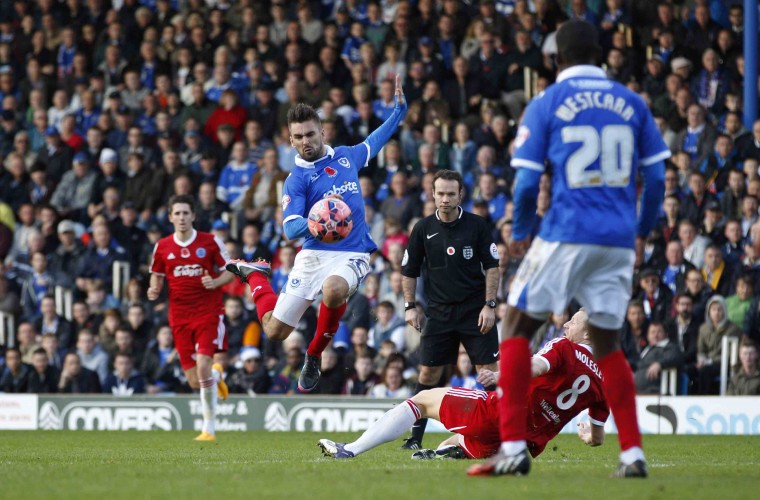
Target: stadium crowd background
x,y
111,107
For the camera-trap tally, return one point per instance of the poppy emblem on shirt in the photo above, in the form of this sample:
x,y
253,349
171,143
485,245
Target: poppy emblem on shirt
x,y
343,162
200,253
331,172
450,251
184,253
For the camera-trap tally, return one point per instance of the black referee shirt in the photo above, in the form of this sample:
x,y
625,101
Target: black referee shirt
x,y
455,255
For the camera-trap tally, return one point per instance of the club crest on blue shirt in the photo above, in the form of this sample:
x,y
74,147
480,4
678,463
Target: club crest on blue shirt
x,y
343,162
200,252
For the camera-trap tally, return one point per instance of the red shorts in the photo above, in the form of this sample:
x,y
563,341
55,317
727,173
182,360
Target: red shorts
x,y
474,415
206,336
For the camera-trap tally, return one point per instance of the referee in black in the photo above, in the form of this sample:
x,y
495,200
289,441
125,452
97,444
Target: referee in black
x,y
461,276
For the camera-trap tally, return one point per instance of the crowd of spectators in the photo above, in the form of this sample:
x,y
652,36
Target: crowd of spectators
x,y
108,108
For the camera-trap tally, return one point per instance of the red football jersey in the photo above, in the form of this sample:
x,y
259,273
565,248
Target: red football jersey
x,y
573,383
183,264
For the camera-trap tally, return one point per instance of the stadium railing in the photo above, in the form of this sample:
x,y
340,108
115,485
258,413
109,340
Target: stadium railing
x,y
121,277
7,330
729,355
669,382
63,302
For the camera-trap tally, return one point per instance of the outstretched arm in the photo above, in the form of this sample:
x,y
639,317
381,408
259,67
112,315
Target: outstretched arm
x,y
537,368
377,139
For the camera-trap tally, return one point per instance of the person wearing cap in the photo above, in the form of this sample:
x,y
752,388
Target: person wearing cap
x,y
681,66
654,76
109,176
253,378
431,58
67,255
57,155
75,190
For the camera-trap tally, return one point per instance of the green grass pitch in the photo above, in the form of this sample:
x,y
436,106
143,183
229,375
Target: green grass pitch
x,y
254,465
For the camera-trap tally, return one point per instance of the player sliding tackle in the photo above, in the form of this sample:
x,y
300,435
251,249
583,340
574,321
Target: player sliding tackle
x,y
566,380
335,269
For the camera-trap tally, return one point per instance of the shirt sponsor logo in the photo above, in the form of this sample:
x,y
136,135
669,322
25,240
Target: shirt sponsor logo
x,y
185,253
331,172
285,201
467,253
343,162
200,252
191,270
523,133
347,187
450,251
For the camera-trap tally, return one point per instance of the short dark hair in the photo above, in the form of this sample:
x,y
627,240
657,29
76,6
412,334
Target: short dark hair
x,y
40,350
449,175
578,43
302,112
387,304
181,198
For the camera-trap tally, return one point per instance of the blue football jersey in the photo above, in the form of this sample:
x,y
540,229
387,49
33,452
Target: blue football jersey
x,y
335,173
595,134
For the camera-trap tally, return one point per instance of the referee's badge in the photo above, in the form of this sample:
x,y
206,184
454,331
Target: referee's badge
x,y
405,259
467,253
494,251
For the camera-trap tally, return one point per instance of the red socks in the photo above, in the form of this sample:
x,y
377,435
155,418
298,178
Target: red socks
x,y
514,381
327,325
620,390
262,294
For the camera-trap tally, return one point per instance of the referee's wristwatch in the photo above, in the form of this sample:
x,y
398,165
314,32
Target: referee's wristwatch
x,y
491,303
409,305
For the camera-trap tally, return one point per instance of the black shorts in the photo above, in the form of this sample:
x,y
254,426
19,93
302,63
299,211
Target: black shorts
x,y
451,325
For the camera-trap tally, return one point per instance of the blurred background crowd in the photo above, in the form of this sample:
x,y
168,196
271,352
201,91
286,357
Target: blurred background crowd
x,y
108,108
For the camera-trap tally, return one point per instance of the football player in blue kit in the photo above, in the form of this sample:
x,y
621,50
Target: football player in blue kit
x,y
598,137
335,269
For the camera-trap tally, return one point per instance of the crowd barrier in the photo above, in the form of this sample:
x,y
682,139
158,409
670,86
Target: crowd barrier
x,y
657,414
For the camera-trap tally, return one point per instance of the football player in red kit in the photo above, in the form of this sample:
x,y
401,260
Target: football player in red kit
x,y
566,381
188,260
